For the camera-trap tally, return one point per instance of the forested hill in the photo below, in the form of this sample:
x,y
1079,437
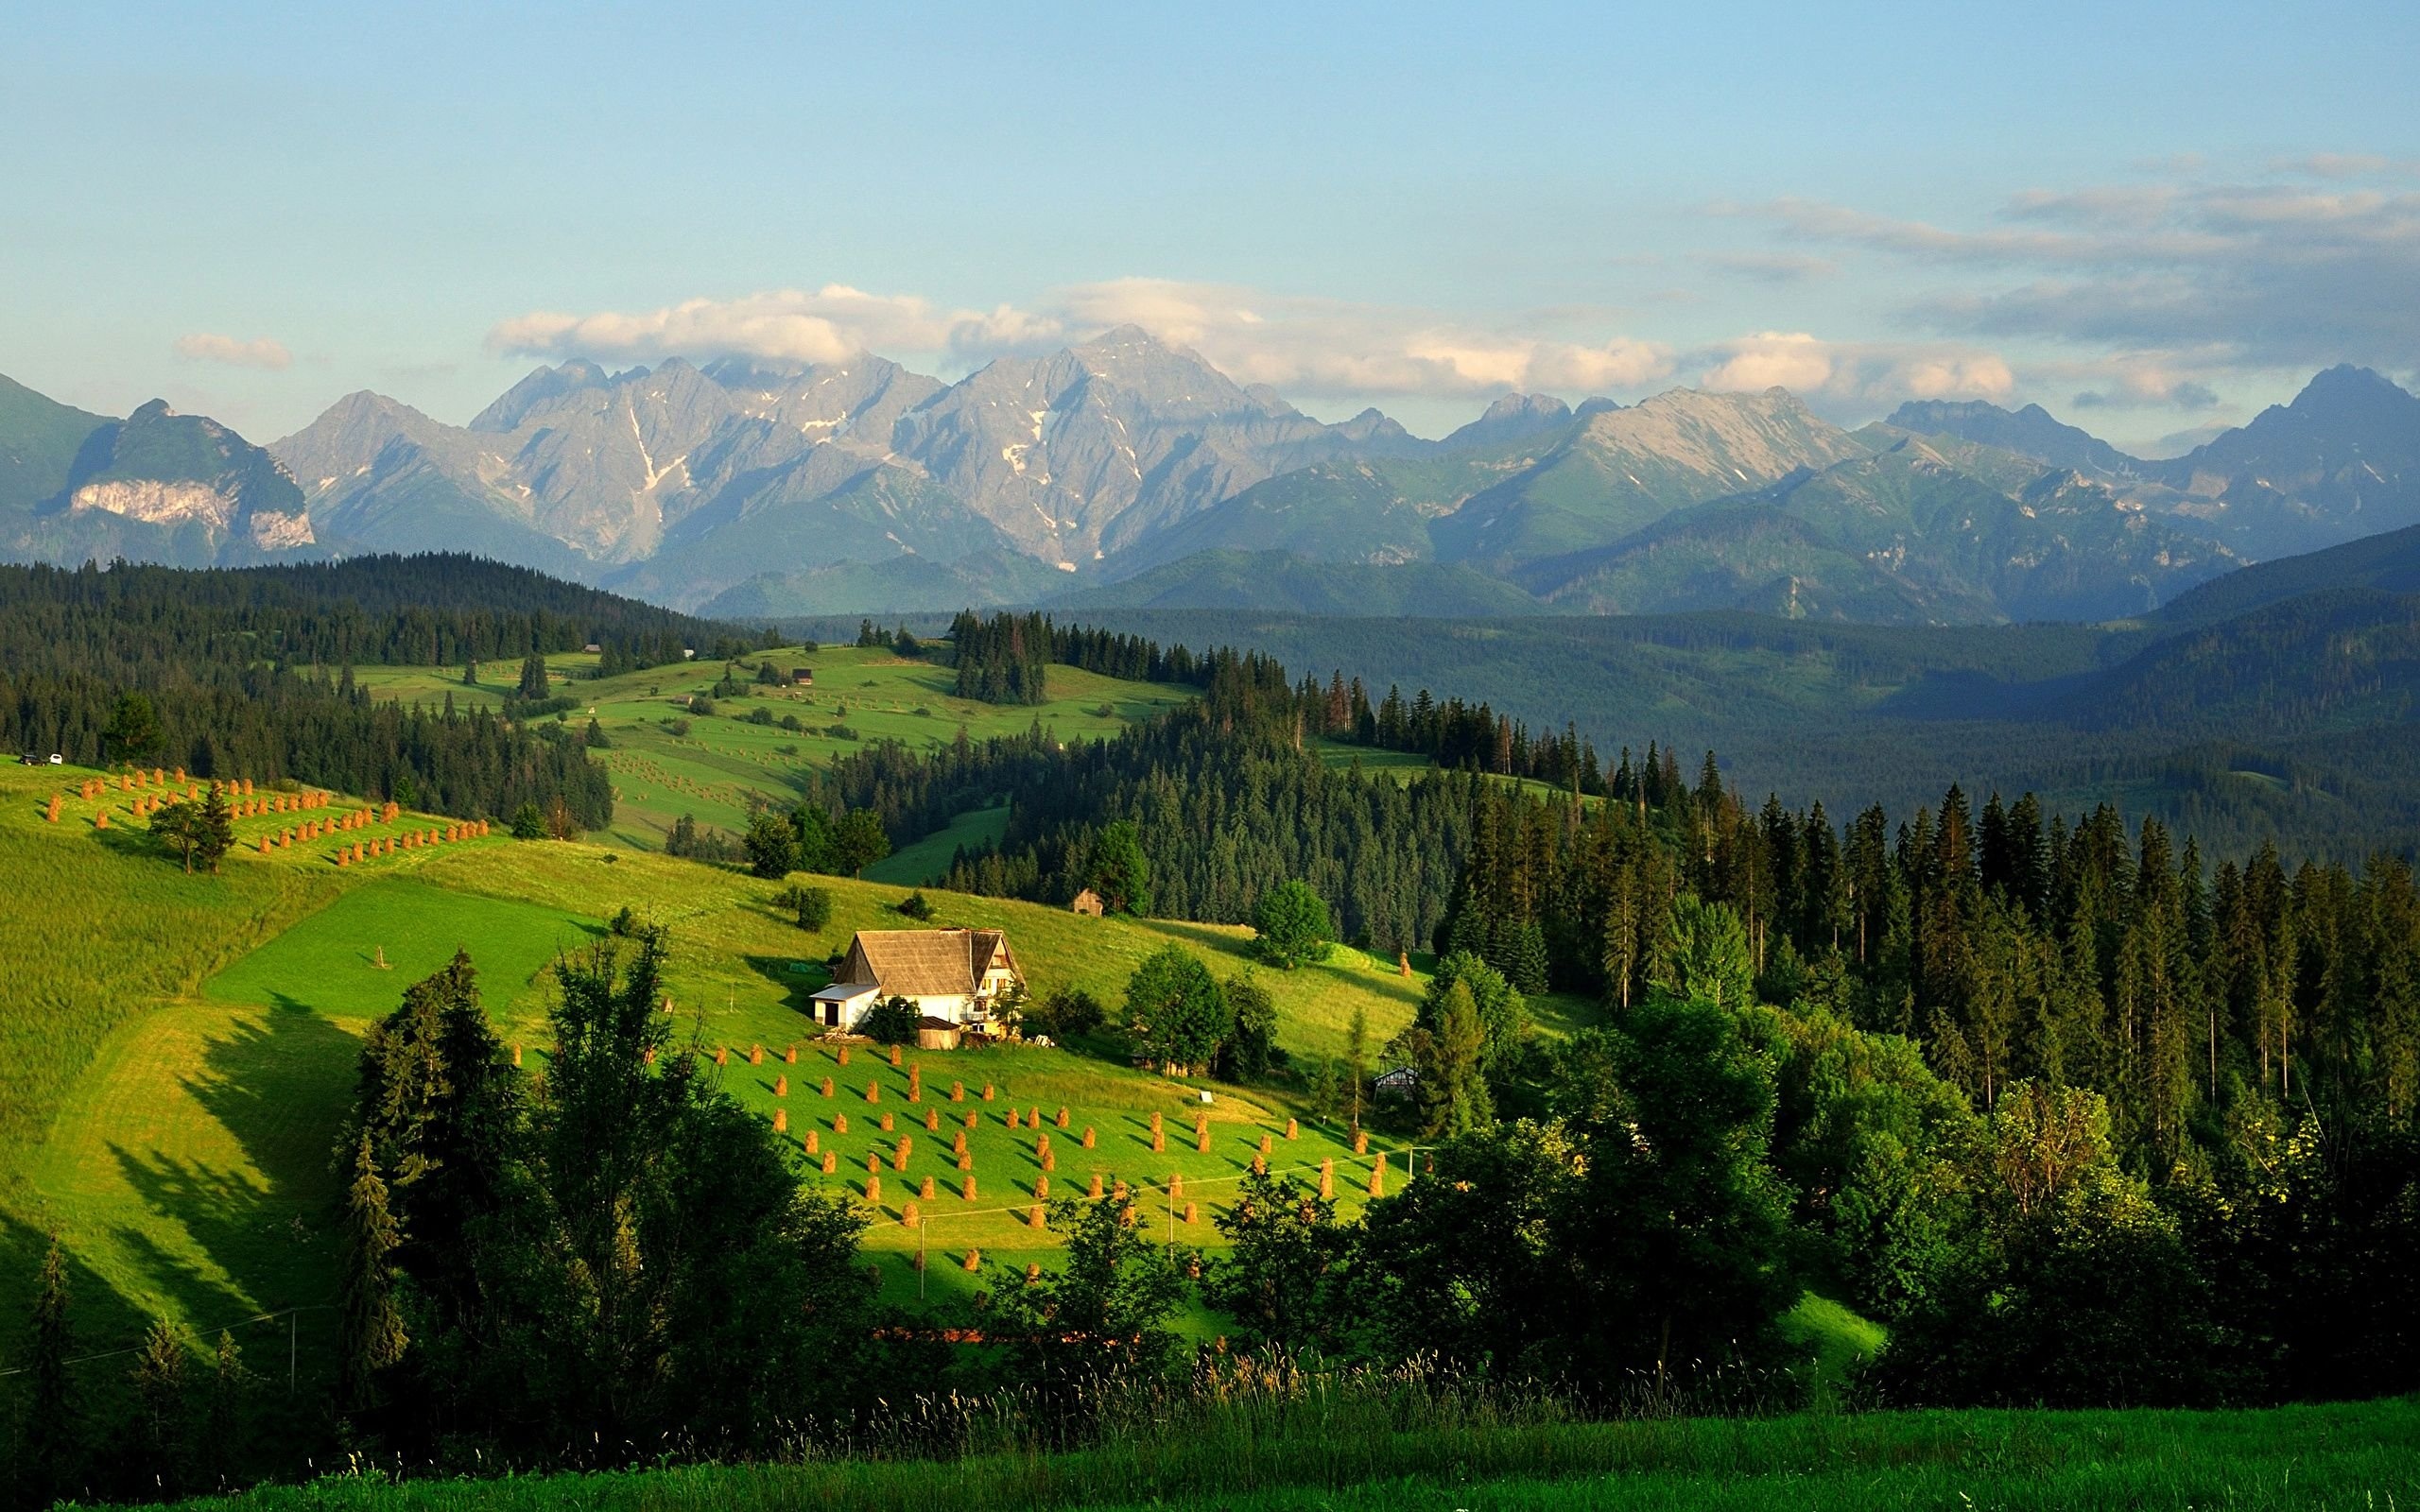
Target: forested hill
x,y
427,610
2281,716
2235,1044
248,671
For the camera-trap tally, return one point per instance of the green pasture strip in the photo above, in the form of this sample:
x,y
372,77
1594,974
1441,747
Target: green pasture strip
x,y
177,1142
915,865
1250,1455
724,764
354,959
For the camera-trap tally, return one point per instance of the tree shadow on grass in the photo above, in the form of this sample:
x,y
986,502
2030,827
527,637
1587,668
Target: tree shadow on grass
x,y
796,986
281,1084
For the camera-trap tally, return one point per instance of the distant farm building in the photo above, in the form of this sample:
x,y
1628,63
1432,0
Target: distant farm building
x,y
954,977
1401,1082
803,676
1087,902
591,648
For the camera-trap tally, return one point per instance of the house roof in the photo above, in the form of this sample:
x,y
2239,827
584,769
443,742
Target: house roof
x,y
920,963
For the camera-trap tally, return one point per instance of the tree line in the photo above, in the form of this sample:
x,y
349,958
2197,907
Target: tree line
x,y
229,673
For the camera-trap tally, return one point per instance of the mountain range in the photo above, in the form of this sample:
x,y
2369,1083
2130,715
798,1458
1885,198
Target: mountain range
x,y
1124,472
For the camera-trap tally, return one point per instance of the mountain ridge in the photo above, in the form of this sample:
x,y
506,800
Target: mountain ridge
x,y
1123,455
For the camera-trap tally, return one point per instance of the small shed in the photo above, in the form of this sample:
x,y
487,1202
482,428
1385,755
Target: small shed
x,y
1087,902
935,1034
803,676
1400,1082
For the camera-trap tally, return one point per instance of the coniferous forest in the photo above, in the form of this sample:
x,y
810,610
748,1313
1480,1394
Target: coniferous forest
x,y
2170,1093
248,671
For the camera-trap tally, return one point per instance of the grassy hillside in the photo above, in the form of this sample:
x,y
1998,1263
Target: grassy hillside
x,y
724,760
181,1051
1351,1452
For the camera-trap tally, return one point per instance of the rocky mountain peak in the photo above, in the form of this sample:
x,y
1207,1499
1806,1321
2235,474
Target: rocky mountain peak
x,y
1510,418
544,386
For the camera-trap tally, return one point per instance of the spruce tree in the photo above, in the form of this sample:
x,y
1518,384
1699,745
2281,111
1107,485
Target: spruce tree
x,y
215,829
373,1337
223,1425
54,1436
161,1402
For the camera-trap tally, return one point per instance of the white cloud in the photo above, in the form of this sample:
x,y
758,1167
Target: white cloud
x,y
828,324
1300,344
205,346
1861,373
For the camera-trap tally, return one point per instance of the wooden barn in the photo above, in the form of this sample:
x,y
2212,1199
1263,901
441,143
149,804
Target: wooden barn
x,y
1087,902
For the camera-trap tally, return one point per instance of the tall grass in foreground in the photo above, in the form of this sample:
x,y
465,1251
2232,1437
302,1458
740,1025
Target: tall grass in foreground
x,y
1269,1438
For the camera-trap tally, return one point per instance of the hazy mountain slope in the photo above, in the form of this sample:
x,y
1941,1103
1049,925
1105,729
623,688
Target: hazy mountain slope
x,y
382,476
575,466
2012,472
801,517
1517,417
2390,563
1092,449
1622,470
1900,535
1746,554
888,585
2028,432
2340,462
2326,662
1276,580
162,487
38,439
1366,509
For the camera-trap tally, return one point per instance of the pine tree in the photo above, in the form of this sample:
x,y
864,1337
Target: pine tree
x,y
373,1338
161,1399
223,1425
534,684
54,1434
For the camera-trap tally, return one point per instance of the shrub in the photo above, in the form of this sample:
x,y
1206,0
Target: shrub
x,y
529,822
841,732
1065,1012
812,906
677,728
892,1020
760,716
915,905
700,705
1293,926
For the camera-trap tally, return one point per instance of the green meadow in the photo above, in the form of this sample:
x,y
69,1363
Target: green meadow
x,y
180,1056
725,761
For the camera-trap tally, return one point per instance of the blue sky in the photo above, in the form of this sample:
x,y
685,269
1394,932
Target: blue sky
x,y
2153,219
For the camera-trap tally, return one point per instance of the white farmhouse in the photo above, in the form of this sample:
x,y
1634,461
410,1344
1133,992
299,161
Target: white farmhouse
x,y
954,975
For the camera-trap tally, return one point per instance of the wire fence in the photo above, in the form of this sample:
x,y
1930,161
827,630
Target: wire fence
x,y
291,1315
